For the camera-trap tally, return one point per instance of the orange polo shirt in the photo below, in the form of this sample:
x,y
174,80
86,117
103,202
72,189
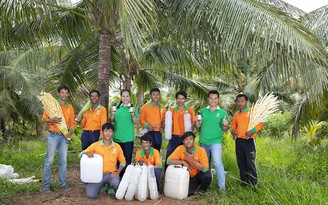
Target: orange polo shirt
x,y
240,123
199,155
110,154
68,112
94,119
153,158
178,127
153,115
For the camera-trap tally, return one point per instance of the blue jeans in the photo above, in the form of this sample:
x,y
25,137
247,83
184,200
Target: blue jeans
x,y
55,141
158,172
215,151
93,189
157,139
88,138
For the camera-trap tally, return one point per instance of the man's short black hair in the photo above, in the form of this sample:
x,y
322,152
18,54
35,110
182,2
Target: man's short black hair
x,y
240,96
107,126
213,92
181,92
154,90
146,137
62,87
94,91
188,134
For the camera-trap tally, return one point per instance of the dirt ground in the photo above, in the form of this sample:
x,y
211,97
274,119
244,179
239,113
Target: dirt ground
x,y
77,195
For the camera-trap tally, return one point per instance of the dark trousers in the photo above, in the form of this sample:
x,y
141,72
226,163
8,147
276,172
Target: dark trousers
x,y
157,139
203,179
89,137
174,142
245,153
127,148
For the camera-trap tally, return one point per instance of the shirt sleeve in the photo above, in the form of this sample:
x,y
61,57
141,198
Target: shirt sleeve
x,y
258,127
138,157
192,114
45,116
143,117
71,119
175,155
121,157
158,160
84,121
234,123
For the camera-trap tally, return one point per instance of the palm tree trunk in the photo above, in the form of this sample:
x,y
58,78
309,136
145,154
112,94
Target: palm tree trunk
x,y
105,66
139,101
3,125
39,128
127,83
296,128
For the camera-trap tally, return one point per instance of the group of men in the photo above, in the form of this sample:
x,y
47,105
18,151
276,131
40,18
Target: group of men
x,y
181,149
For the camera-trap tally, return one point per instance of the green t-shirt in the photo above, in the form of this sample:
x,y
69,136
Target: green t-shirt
x,y
211,130
123,124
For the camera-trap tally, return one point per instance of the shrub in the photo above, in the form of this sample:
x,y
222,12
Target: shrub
x,y
277,125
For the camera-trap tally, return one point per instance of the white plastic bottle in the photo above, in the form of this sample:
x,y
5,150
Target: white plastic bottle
x,y
152,184
187,121
168,124
133,183
91,169
199,116
124,182
176,182
142,184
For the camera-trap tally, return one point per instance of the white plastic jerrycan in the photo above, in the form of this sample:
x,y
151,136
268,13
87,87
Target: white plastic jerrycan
x,y
176,183
91,169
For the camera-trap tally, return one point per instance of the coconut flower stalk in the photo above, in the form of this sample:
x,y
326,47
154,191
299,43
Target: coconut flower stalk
x,y
85,108
263,109
53,109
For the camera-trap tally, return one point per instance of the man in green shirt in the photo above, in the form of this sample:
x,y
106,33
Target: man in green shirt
x,y
213,123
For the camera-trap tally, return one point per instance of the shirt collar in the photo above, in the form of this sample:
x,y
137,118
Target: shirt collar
x,y
152,104
98,107
246,109
185,149
58,100
128,105
102,142
151,152
217,107
184,107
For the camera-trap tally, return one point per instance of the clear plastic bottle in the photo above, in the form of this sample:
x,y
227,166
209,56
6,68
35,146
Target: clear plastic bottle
x,y
187,121
199,116
131,110
114,107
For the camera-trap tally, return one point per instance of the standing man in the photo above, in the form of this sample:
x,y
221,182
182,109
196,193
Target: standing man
x,y
178,128
213,123
92,121
152,117
111,153
56,140
245,142
195,159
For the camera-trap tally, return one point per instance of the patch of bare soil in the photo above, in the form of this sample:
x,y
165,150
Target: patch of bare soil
x,y
77,195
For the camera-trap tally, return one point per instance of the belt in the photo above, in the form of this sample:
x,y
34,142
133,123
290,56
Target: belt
x,y
91,130
55,133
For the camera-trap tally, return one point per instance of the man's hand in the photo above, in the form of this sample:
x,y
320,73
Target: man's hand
x,y
190,157
140,162
56,120
68,135
89,154
234,135
150,127
114,174
249,134
78,118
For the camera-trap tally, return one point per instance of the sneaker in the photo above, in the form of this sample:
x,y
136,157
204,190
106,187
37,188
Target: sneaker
x,y
66,187
104,188
46,190
111,192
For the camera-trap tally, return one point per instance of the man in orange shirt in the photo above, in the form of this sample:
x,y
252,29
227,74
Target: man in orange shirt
x,y
149,156
245,142
195,159
152,117
92,121
178,127
111,152
56,140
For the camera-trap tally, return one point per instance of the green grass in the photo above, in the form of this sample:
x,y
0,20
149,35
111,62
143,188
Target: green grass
x,y
289,172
